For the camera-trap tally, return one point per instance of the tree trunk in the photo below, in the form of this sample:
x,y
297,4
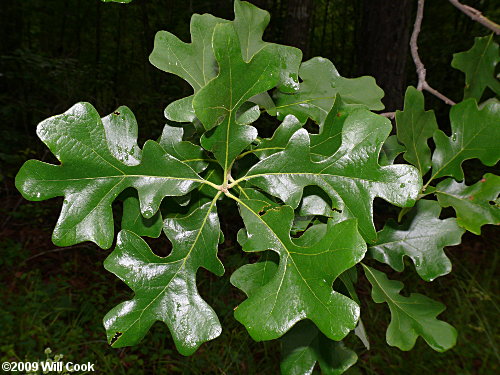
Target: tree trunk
x,y
298,24
383,46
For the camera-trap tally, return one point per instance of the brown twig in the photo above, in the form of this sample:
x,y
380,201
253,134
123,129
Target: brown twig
x,y
389,115
421,72
477,16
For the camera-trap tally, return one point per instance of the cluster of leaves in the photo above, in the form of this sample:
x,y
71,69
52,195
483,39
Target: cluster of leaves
x,y
306,199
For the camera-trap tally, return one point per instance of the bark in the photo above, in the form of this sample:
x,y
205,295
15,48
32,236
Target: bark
x,y
297,24
384,46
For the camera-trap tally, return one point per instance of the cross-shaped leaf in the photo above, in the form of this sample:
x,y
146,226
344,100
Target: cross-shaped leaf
x,y
351,177
479,64
411,316
217,103
475,133
422,237
475,205
165,288
302,286
95,169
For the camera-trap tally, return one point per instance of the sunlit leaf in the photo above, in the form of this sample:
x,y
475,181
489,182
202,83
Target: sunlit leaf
x,y
165,288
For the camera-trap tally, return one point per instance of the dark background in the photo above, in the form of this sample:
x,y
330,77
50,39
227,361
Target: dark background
x,y
55,53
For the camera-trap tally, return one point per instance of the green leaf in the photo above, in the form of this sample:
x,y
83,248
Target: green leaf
x,y
329,139
250,277
133,221
217,103
411,316
250,23
304,345
302,286
351,177
414,127
321,82
187,152
475,133
94,170
120,129
479,64
280,138
165,288
390,150
194,62
475,205
315,204
422,237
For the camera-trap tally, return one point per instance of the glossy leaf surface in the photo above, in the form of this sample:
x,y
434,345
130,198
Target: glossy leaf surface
x,y
303,345
475,205
302,286
92,174
194,62
250,23
475,133
217,103
133,221
414,127
421,237
321,82
165,288
351,177
479,64
411,316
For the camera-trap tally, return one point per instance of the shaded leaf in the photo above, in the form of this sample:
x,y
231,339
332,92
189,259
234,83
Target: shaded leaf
x,y
414,127
411,316
422,237
133,221
185,151
351,177
321,82
329,139
304,345
475,205
92,174
250,277
390,150
165,288
479,64
475,133
280,138
302,286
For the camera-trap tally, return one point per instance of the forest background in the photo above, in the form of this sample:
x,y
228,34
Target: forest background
x,y
55,53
